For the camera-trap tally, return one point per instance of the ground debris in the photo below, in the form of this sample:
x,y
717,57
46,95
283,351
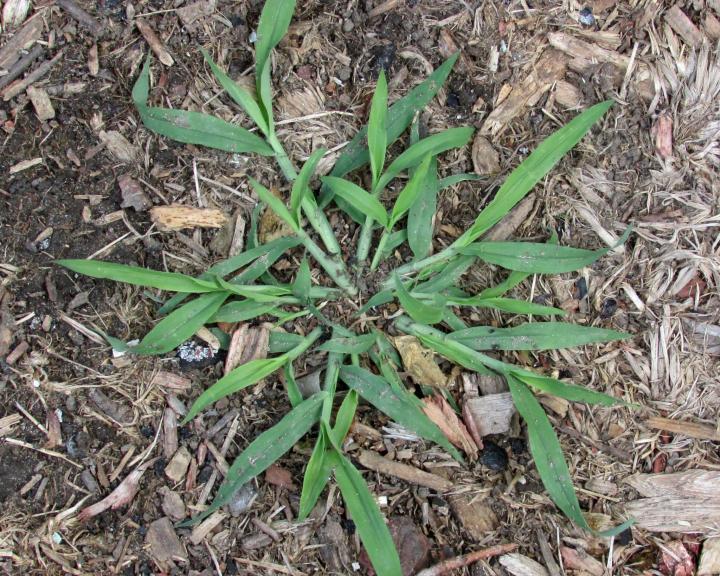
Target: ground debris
x,y
490,414
680,23
154,42
247,343
448,566
178,465
41,102
519,565
119,146
474,514
579,559
441,413
374,461
485,158
419,362
118,412
676,559
132,193
122,495
710,557
192,12
684,427
178,217
164,544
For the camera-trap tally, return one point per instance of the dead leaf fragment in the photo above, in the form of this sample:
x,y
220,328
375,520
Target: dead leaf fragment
x,y
491,414
441,413
519,565
192,12
122,495
119,146
710,557
271,226
132,193
419,362
164,544
485,158
474,514
178,217
280,476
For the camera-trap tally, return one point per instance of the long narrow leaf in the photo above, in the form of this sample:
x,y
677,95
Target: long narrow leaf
x,y
410,192
242,310
317,474
366,515
356,344
508,305
417,310
359,198
177,327
266,449
532,170
300,185
422,212
380,394
275,204
534,336
377,129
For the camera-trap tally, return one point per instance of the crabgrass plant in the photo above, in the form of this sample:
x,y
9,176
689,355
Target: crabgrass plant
x,y
365,365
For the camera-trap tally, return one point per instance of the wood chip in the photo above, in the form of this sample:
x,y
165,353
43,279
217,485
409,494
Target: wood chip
x,y
519,565
93,60
192,12
675,514
172,381
23,39
20,85
548,69
122,495
7,423
662,130
378,463
691,429
688,484
474,514
511,221
172,504
178,217
485,158
279,476
116,411
491,414
680,23
710,558
178,465
155,43
201,531
711,25
568,95
132,193
41,102
164,544
85,20
25,165
441,413
419,362
119,146
247,344
170,433
581,561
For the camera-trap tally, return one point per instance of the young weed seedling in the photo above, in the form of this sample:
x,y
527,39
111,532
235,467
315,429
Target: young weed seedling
x,y
427,288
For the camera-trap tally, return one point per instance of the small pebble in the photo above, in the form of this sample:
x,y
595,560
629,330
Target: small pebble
x,y
586,17
609,306
452,101
624,538
493,456
348,25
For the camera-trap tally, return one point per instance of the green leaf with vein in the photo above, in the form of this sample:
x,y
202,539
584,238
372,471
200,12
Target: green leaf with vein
x,y
180,325
422,212
264,450
534,336
246,375
377,127
345,416
399,117
281,341
358,198
446,276
508,305
246,100
416,309
547,453
303,281
275,204
567,390
356,344
535,258
242,310
533,169
409,194
316,477
193,127
394,240
366,515
397,406
300,187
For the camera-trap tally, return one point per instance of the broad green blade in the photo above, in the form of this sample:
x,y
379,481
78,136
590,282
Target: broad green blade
x,y
351,345
533,258
453,320
378,299
534,336
547,453
246,101
417,310
303,281
300,187
242,310
180,325
397,406
281,341
421,213
377,127
275,204
291,387
567,390
358,198
532,170
241,377
513,279
508,305
447,276
456,179
264,450
273,25
366,515
193,127
432,146
317,474
345,416
170,281
399,117
409,194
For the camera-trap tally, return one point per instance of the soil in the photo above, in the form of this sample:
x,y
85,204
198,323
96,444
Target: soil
x,y
70,206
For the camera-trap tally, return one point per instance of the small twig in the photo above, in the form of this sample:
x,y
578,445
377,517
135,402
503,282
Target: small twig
x,y
21,65
155,43
384,7
467,559
52,453
19,86
81,16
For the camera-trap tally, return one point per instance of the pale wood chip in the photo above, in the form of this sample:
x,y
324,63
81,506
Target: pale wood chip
x,y
519,565
41,102
119,146
155,43
491,414
688,484
23,39
163,542
485,158
676,514
192,12
474,514
178,217
581,561
25,165
441,413
172,381
710,558
201,531
378,463
691,429
178,465
680,23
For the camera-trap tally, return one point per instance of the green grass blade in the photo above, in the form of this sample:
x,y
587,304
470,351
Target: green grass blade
x,y
421,213
417,310
266,449
396,405
170,281
246,101
456,179
273,25
180,325
357,344
345,416
432,145
377,127
447,276
281,341
534,336
513,279
303,281
300,187
291,387
378,299
508,305
275,204
409,194
366,515
242,310
547,453
358,198
532,170
399,117
317,474
535,258
392,241
567,390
